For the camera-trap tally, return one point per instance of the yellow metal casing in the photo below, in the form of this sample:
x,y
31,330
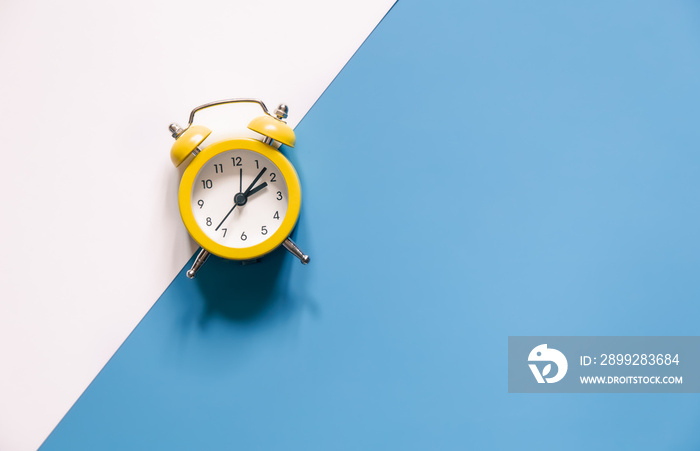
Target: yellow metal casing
x,y
273,128
293,207
187,142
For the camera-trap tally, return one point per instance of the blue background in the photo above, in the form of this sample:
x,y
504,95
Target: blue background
x,y
477,170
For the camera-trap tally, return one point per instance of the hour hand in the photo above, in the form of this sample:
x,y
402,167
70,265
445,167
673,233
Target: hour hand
x,y
256,189
255,180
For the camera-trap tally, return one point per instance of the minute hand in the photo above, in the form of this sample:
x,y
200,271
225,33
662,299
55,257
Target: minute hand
x,y
247,191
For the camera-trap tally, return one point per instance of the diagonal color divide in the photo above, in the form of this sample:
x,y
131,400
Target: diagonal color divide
x,y
93,236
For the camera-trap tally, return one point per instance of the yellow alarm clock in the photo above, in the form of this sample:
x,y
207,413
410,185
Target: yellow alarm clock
x,y
239,198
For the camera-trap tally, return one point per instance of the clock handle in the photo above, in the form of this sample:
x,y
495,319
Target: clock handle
x,y
224,102
198,263
295,251
273,127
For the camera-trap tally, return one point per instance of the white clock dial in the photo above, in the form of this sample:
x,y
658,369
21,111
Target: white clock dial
x,y
230,208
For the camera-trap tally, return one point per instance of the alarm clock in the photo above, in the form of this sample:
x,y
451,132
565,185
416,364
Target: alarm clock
x,y
239,198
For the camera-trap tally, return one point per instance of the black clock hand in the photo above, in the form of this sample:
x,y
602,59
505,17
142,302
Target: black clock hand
x,y
241,179
245,195
247,191
250,193
225,217
257,188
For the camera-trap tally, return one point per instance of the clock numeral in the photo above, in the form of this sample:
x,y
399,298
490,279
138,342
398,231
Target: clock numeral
x,y
277,215
236,161
219,168
208,221
279,195
207,184
225,230
244,236
272,177
200,202
257,165
263,230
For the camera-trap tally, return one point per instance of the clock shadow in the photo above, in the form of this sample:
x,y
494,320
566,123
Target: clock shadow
x,y
243,292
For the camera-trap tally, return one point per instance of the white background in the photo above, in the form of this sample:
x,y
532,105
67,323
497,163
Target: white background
x,y
90,231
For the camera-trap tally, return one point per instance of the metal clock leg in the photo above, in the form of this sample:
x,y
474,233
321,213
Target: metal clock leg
x,y
198,263
294,250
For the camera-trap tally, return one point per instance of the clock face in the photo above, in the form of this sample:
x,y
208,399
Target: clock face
x,y
239,198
